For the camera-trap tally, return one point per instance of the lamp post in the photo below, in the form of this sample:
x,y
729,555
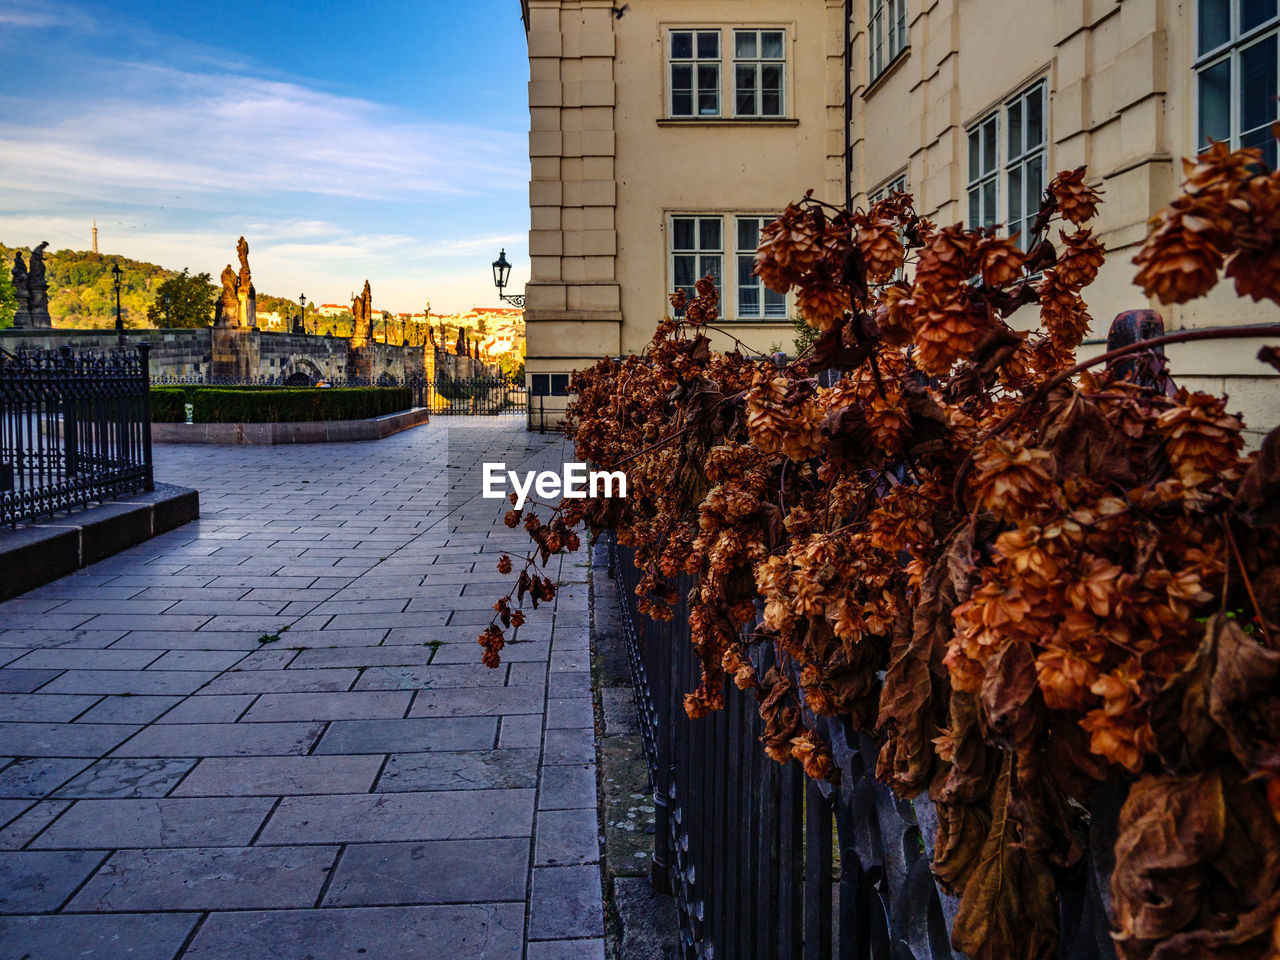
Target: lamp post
x,y
302,305
501,273
116,274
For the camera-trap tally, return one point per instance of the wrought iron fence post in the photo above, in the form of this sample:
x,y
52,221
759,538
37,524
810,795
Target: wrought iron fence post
x,y
144,362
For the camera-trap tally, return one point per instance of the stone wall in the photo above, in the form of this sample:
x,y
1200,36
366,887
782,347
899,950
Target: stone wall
x,y
242,352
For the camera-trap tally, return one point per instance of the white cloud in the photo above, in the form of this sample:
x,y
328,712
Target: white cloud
x,y
179,134
23,14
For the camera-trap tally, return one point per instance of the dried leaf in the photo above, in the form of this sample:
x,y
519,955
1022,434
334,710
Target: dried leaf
x,y
1009,909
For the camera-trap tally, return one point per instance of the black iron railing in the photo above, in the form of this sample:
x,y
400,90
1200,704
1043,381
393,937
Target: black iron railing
x,y
766,864
74,429
442,396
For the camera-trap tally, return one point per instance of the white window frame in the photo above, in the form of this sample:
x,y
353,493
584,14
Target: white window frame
x,y
895,184
744,275
1019,168
886,33
987,173
698,252
1231,52
995,173
758,63
695,63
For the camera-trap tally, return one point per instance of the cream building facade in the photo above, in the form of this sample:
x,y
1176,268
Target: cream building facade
x,y
663,130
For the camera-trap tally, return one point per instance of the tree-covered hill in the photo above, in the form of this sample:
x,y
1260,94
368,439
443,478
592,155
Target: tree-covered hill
x,y
82,293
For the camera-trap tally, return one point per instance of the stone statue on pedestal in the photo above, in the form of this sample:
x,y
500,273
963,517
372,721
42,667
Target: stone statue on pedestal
x,y
248,297
228,314
31,290
21,317
362,310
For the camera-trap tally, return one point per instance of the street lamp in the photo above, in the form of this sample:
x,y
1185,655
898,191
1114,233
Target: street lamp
x,y
501,272
116,274
302,305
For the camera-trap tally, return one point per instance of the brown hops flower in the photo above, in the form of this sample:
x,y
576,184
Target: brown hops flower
x,y
895,315
948,261
948,330
1076,202
999,261
790,248
504,564
881,249
1081,258
813,754
1012,480
1200,437
822,302
1180,260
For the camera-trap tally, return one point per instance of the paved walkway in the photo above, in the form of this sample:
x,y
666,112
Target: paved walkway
x,y
268,734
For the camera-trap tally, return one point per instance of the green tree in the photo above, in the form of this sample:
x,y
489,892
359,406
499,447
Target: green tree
x,y
183,301
8,303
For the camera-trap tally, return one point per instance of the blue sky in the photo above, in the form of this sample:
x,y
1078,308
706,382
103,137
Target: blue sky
x,y
346,141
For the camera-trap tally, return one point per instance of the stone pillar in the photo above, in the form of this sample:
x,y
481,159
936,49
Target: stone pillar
x,y
236,353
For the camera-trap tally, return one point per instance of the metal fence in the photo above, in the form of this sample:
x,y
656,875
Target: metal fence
x,y
74,429
766,864
442,396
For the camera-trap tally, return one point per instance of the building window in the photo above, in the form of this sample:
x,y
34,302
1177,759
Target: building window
x,y
897,184
697,251
1024,121
759,61
887,33
1237,52
549,384
755,300
984,171
694,66
1025,169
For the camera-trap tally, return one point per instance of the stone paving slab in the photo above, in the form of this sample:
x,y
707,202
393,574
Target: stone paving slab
x,y
141,936
456,931
268,733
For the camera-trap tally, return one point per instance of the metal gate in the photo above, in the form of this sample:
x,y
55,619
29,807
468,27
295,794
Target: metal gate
x,y
476,396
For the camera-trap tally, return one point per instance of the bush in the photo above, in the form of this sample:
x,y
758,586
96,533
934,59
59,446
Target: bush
x,y
277,404
168,405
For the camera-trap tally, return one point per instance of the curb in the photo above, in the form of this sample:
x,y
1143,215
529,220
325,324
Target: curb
x,y
310,431
34,555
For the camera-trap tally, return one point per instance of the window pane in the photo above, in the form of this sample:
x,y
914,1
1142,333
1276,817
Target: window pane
x,y
1035,119
710,267
1255,12
748,291
681,46
709,233
1215,104
685,270
709,46
745,86
682,233
974,166
775,304
1015,128
559,384
975,210
989,145
1214,23
1035,190
1258,84
744,45
989,203
708,89
682,103
771,90
1015,198
748,235
771,44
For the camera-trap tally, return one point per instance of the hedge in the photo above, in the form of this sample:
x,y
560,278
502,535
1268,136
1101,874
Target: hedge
x,y
276,405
